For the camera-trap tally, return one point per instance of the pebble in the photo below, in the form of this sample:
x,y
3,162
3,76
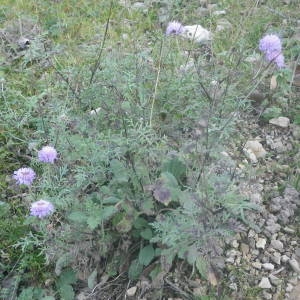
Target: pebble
x,y
288,230
268,266
131,292
267,296
256,148
284,258
276,244
276,258
294,265
265,283
261,243
289,288
282,122
256,265
244,249
235,244
275,280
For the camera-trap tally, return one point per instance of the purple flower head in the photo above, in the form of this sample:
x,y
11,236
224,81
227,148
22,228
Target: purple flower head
x,y
270,43
47,154
277,57
279,60
41,209
24,176
175,28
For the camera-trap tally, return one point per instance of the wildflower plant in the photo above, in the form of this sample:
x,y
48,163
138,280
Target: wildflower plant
x,y
24,176
141,177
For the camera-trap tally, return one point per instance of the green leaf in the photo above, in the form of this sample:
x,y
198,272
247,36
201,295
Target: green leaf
x,y
125,224
77,216
201,266
92,280
175,167
93,222
135,270
119,171
140,223
68,276
62,262
66,292
108,212
146,255
146,234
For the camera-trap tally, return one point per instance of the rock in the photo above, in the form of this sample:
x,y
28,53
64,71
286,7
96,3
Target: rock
x,y
282,122
235,244
230,260
261,243
289,288
256,265
254,150
219,13
233,286
197,33
276,244
288,230
275,280
296,132
265,283
296,292
267,296
284,258
131,292
294,265
140,6
276,258
268,266
244,249
223,24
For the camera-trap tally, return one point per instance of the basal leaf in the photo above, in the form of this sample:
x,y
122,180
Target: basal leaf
x,y
146,255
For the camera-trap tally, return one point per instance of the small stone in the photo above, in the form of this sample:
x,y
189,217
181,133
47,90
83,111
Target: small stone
x,y
261,243
244,249
284,258
265,283
131,292
282,122
275,280
256,265
293,280
235,244
219,13
251,233
276,244
268,266
256,148
288,230
294,265
293,243
267,296
230,260
289,288
276,258
233,286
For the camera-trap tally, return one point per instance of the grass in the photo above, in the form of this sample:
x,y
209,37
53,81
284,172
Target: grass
x,y
144,147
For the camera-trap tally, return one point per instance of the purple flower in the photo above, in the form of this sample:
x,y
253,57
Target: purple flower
x,y
279,60
24,176
270,43
175,28
47,154
41,209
